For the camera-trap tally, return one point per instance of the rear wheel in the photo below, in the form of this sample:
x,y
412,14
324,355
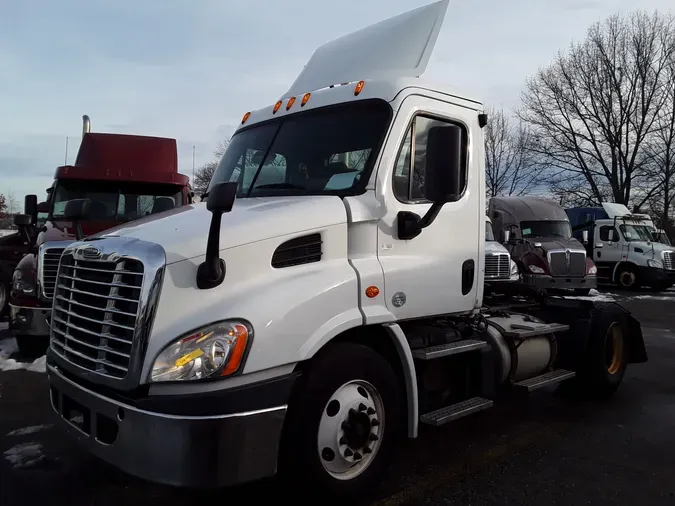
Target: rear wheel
x,y
32,346
342,423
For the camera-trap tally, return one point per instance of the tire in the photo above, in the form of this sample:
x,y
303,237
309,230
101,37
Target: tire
x,y
4,298
606,356
342,384
627,278
32,346
582,291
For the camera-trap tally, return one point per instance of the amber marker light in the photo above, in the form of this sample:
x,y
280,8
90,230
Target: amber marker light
x,y
305,99
276,107
372,292
290,103
245,118
359,87
240,335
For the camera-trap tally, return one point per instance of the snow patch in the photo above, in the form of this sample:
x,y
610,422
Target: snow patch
x,y
667,298
28,430
594,295
25,455
8,348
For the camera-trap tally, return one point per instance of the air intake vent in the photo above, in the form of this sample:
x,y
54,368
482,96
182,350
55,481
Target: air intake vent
x,y
302,250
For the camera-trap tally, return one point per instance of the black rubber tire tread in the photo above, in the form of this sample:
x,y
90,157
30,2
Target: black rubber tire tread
x,y
32,346
299,465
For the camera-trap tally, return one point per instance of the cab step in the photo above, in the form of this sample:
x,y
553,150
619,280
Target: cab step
x,y
443,350
455,411
544,380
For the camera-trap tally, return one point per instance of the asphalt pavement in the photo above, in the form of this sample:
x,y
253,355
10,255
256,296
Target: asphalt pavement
x,y
543,450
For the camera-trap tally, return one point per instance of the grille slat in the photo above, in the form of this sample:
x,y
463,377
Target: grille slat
x,y
497,266
96,304
669,260
559,265
49,261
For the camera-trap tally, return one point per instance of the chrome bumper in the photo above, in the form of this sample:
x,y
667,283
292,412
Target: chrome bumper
x,y
190,451
29,321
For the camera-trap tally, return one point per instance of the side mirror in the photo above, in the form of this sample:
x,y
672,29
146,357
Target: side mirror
x,y
30,204
584,236
507,235
442,178
610,235
22,220
220,200
75,211
444,164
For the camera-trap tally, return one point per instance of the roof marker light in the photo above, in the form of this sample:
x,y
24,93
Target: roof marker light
x,y
359,87
245,118
290,103
305,99
276,107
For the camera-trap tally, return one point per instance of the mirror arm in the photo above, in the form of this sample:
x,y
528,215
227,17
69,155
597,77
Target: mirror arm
x,y
211,272
410,225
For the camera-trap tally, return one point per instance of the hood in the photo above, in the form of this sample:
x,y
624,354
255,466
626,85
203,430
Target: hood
x,y
183,231
495,247
59,230
550,244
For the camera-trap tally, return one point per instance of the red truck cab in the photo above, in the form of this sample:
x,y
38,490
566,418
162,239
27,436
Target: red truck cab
x,y
124,177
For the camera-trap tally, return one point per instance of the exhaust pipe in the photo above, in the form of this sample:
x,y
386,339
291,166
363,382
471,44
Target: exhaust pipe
x,y
86,125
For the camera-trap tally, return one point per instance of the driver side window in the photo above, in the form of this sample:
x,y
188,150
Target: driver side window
x,y
604,233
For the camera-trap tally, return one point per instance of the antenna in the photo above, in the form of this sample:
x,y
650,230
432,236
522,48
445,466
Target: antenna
x,y
65,162
193,164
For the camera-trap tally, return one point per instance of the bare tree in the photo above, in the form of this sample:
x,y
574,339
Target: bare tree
x,y
510,167
11,203
3,205
204,173
595,106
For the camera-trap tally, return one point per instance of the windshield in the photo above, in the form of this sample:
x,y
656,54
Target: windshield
x,y
116,201
330,151
636,233
489,234
560,229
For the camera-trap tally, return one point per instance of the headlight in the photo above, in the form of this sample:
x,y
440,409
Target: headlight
x,y
213,351
514,268
592,271
535,269
655,264
23,282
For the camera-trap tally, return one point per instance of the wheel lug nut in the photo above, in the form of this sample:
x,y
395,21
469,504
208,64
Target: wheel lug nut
x,y
348,453
362,407
370,411
357,456
352,412
374,422
343,440
373,437
367,450
345,426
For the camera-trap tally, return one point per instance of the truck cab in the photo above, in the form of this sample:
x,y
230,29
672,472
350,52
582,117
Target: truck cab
x,y
624,247
541,243
121,178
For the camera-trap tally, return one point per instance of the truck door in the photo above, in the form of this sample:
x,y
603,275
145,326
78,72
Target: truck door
x,y
606,253
437,272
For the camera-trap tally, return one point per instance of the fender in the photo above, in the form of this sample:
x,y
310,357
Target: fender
x,y
410,377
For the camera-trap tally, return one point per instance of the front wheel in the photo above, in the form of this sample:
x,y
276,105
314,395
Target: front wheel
x,y
342,423
627,278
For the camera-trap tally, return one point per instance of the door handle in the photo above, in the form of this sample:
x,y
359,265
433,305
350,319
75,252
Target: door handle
x,y
598,245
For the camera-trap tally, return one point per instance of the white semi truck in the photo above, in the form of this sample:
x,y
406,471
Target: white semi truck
x,y
301,327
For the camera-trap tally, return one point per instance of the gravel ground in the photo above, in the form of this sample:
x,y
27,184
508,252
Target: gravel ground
x,y
544,450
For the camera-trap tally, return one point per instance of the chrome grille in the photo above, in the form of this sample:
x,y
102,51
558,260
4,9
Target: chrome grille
x,y
560,267
96,306
497,266
669,260
49,265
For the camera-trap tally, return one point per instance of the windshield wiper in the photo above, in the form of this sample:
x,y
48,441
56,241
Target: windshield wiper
x,y
281,186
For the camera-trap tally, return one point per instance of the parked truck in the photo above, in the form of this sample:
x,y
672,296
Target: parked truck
x,y
625,246
301,326
124,177
540,241
500,269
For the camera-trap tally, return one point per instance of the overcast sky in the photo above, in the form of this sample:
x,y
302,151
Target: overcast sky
x,y
189,69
